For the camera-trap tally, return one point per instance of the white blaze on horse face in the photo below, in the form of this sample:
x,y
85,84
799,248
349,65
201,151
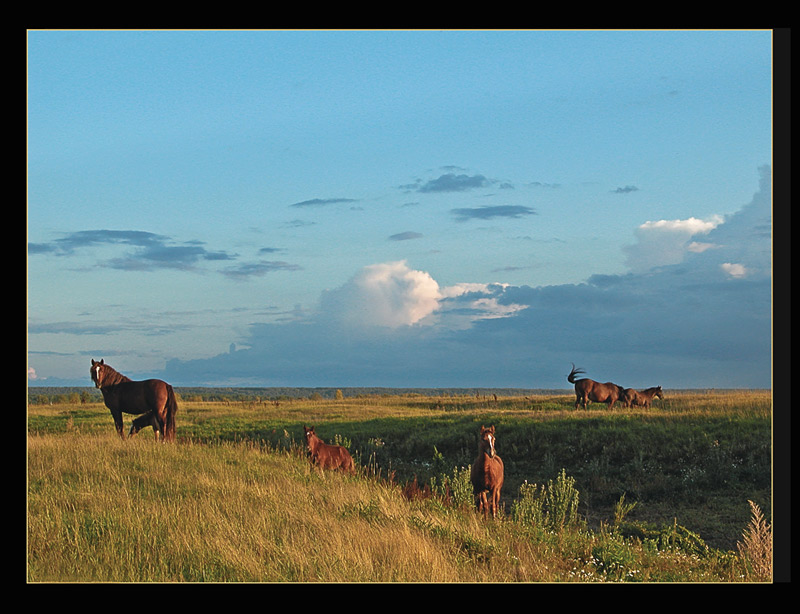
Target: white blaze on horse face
x,y
97,375
491,444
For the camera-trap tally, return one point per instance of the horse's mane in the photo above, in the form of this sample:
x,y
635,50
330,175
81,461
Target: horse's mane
x,y
114,377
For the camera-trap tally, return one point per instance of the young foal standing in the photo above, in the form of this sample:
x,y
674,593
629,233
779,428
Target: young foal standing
x,y
644,398
328,456
487,474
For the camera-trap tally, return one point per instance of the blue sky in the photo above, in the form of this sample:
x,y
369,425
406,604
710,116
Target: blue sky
x,y
400,208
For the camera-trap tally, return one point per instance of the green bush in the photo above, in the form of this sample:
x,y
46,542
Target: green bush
x,y
553,506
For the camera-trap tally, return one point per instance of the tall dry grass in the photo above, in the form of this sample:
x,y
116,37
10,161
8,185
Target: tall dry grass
x,y
103,510
755,548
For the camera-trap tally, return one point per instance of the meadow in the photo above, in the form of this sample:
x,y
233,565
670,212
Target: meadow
x,y
680,492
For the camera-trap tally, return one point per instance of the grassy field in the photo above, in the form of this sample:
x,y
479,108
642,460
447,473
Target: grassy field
x,y
647,495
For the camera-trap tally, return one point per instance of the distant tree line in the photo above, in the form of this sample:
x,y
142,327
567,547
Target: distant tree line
x,y
79,395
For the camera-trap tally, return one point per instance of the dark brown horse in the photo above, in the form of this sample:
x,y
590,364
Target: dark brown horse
x,y
487,474
587,390
152,398
633,398
327,456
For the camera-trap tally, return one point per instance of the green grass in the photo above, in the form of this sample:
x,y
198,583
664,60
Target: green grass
x,y
235,500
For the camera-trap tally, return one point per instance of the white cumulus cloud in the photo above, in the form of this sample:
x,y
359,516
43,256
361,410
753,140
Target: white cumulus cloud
x,y
387,294
734,269
666,242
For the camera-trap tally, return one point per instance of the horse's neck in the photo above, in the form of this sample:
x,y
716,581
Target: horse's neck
x,y
115,377
314,443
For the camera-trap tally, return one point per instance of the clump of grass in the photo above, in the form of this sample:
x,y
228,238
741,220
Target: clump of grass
x,y
755,548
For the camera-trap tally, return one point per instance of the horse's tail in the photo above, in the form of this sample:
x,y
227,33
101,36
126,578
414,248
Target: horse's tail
x,y
172,409
573,373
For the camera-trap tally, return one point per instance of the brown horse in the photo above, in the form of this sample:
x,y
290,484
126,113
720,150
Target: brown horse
x,y
328,456
633,397
152,398
587,390
487,474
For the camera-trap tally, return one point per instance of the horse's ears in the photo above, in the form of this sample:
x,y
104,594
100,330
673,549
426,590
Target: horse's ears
x,y
97,363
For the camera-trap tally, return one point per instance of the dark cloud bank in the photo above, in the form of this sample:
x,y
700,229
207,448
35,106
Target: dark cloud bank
x,y
702,323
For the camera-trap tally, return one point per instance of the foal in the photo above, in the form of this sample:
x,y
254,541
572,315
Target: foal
x,y
642,398
487,474
328,456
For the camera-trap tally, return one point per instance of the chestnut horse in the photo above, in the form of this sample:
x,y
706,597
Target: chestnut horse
x,y
633,397
589,390
152,398
328,456
487,474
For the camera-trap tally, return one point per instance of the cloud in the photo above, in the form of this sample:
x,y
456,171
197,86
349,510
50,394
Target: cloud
x,y
734,269
701,322
73,241
388,294
626,190
486,213
666,242
150,251
405,236
258,269
321,202
450,182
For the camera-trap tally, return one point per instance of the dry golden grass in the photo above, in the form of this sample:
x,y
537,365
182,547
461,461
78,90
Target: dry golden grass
x,y
105,510
756,547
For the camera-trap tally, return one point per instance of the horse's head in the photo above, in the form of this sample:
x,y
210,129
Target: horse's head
x,y
99,371
309,433
487,440
659,392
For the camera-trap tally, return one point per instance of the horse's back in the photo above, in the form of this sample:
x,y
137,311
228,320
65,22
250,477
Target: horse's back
x,y
139,396
335,457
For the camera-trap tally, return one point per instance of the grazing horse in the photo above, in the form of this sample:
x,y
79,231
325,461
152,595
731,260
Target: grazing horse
x,y
633,397
152,398
589,390
487,474
328,456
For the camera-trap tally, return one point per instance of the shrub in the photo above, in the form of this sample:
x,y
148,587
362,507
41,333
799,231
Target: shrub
x,y
456,488
553,506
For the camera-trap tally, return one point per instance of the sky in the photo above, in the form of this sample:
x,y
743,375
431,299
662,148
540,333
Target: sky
x,y
400,208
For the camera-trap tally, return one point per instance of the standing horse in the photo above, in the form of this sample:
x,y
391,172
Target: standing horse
x,y
328,456
152,398
633,397
589,390
487,474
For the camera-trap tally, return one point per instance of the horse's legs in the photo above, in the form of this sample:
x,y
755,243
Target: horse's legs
x,y
484,504
158,426
117,415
